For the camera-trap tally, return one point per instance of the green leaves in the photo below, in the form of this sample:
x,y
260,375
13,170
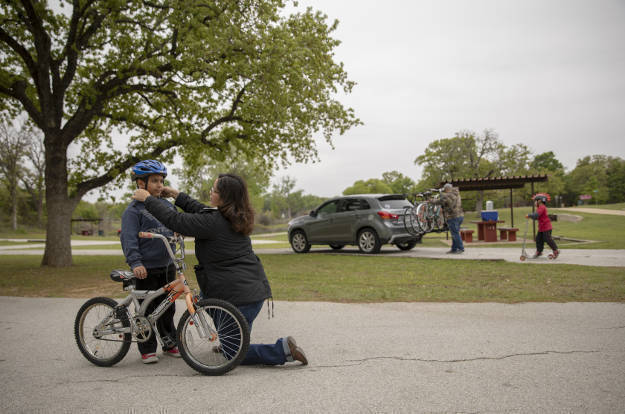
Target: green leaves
x,y
190,76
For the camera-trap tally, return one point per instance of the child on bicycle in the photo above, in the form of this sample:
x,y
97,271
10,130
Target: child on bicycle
x,y
148,258
544,226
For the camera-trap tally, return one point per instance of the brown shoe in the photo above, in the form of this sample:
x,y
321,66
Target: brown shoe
x,y
296,352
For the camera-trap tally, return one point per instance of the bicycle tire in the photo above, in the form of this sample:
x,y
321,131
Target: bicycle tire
x,y
439,218
224,353
422,218
104,352
410,221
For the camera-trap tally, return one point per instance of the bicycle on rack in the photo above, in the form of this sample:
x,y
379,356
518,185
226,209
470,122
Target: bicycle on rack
x,y
425,217
212,335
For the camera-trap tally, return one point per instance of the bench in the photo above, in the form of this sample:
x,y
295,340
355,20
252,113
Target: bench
x,y
466,235
507,233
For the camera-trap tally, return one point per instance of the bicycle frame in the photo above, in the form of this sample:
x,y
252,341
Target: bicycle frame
x,y
173,289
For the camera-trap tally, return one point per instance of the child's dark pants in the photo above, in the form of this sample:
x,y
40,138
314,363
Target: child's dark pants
x,y
157,278
545,237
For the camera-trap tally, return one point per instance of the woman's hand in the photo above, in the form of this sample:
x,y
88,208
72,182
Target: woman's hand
x,y
170,192
140,195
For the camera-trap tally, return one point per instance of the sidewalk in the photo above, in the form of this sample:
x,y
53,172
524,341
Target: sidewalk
x,y
584,257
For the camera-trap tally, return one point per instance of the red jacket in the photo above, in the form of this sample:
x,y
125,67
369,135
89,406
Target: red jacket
x,y
544,223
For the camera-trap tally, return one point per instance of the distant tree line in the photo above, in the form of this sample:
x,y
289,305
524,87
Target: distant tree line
x,y
466,155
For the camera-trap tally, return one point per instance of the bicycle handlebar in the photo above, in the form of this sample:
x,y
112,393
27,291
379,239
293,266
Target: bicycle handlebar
x,y
148,235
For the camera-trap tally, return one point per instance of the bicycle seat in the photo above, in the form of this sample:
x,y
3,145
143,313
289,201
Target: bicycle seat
x,y
122,275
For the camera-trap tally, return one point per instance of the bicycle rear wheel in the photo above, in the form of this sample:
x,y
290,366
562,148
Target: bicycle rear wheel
x,y
222,354
97,332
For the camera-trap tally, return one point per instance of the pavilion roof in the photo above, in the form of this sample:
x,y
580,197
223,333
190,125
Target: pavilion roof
x,y
495,183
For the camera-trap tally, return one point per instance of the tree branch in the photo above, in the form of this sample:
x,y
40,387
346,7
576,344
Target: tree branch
x,y
227,118
20,50
85,186
17,90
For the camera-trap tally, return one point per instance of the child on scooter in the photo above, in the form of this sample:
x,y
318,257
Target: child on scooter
x,y
544,226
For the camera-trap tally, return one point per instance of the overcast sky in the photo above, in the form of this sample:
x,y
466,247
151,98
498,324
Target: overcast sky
x,y
549,74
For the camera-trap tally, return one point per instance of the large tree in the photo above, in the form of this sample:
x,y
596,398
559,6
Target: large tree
x,y
601,176
371,186
399,183
466,155
172,76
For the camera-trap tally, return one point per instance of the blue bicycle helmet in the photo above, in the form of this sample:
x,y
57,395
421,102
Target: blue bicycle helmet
x,y
148,167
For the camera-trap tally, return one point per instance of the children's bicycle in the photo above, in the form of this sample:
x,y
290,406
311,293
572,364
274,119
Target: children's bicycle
x,y
213,336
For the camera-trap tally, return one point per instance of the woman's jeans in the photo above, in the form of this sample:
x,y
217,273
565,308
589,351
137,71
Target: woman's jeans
x,y
275,354
454,229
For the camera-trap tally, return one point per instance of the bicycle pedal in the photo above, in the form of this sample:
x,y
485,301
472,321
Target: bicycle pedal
x,y
168,342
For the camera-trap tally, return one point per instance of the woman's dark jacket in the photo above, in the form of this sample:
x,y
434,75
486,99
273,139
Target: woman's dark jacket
x,y
228,268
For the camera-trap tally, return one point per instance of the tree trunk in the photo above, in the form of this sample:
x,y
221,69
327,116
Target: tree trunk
x,y
58,252
479,199
14,207
39,210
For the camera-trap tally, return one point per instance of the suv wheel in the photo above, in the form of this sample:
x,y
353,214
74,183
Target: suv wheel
x,y
337,246
407,245
368,241
299,242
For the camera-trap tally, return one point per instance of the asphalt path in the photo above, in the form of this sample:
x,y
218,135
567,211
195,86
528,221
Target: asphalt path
x,y
394,357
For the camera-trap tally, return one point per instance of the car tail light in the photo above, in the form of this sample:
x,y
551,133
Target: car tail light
x,y
387,216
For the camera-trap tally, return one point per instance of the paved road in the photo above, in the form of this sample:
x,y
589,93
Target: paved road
x,y
395,357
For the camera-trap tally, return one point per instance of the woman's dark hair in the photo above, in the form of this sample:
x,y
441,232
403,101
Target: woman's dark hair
x,y
235,203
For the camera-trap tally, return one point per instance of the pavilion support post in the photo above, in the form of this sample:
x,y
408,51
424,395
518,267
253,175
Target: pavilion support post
x,y
533,221
511,208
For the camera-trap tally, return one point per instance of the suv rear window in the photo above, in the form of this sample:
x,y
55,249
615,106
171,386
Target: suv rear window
x,y
393,202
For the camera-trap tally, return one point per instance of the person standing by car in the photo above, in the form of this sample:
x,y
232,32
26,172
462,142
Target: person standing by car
x,y
148,258
228,269
452,206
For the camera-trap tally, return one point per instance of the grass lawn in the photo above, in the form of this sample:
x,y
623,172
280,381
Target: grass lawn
x,y
348,279
608,230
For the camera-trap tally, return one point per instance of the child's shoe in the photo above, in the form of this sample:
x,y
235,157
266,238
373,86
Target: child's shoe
x,y
150,358
537,254
173,352
555,254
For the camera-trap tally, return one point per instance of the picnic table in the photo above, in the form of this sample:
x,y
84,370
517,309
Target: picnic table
x,y
487,230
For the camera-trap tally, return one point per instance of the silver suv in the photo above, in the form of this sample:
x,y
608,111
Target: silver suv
x,y
366,220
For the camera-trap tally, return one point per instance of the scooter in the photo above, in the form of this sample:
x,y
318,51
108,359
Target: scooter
x,y
524,255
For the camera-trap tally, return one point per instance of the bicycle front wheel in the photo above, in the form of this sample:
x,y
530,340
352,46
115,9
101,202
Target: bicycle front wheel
x,y
439,218
99,334
410,221
214,356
